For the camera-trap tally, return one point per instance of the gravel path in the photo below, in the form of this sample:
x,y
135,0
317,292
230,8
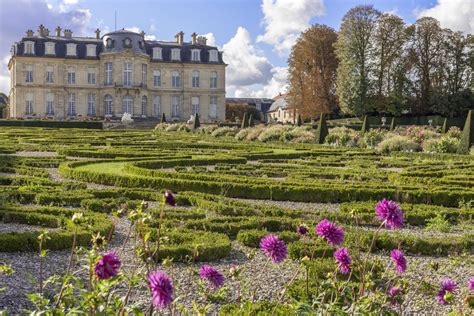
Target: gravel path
x,y
56,176
35,154
306,206
21,228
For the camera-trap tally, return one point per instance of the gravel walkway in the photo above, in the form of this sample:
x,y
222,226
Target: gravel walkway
x,y
294,205
35,154
22,228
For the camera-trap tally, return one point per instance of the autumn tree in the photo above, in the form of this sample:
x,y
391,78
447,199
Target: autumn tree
x,y
356,52
312,72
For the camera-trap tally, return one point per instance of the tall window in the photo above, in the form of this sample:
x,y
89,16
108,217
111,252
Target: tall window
x,y
29,104
91,104
127,74
175,79
30,48
195,55
49,48
108,74
213,56
127,104
91,76
195,104
213,81
71,75
175,106
195,80
71,104
29,73
144,75
157,105
49,74
108,105
49,104
175,54
213,107
144,105
156,78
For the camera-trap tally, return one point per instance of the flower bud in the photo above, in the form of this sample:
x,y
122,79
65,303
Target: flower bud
x,y
77,218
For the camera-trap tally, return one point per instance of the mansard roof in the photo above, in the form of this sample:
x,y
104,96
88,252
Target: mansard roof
x,y
118,37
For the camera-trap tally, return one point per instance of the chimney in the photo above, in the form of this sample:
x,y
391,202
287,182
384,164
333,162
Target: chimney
x,y
142,34
67,33
58,31
46,32
97,33
201,40
41,30
29,33
179,38
194,38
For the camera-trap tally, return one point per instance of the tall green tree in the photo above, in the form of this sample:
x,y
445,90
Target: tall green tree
x,y
356,52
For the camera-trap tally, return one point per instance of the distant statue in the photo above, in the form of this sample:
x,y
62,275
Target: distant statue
x,y
191,119
127,118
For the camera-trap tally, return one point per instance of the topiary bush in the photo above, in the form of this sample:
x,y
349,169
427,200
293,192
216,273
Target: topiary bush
x,y
398,143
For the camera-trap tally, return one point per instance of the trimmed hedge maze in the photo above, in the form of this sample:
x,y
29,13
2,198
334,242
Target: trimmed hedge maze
x,y
47,175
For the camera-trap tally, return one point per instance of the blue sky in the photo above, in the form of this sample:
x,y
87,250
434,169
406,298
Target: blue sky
x,y
255,35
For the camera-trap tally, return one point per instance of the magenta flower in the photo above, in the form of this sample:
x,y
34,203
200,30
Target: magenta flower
x,y
344,259
333,234
400,260
302,230
108,266
447,286
169,198
471,284
274,248
390,213
214,277
395,293
161,288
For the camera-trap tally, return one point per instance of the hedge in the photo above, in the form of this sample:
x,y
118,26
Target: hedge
x,y
53,124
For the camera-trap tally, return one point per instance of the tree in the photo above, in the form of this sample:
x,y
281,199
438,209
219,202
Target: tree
x,y
245,121
356,53
444,128
299,122
365,124
392,124
312,72
322,130
163,118
251,121
196,124
467,137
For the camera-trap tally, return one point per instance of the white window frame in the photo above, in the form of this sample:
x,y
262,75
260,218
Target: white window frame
x,y
91,104
71,104
213,55
71,75
213,80
91,76
195,79
175,103
50,48
144,74
157,53
144,105
156,78
195,55
157,105
195,102
108,105
71,49
29,48
29,78
213,107
29,103
175,79
91,50
127,74
127,104
49,74
108,74
175,54
49,103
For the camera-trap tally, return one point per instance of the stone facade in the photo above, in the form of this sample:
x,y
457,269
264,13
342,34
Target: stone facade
x,y
116,73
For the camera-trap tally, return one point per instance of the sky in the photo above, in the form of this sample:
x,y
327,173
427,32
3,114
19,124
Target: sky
x,y
255,35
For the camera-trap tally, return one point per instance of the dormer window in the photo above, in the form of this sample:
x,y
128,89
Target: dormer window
x,y
127,43
175,54
49,48
30,48
109,43
196,55
213,56
71,49
91,50
157,53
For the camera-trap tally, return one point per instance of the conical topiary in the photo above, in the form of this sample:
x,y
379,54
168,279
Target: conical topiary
x,y
467,137
251,121
163,118
245,121
299,122
197,124
365,124
322,130
444,128
392,124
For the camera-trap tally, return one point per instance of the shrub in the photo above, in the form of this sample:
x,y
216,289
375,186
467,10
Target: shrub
x,y
342,136
272,133
445,144
467,137
398,143
454,132
242,134
225,131
373,137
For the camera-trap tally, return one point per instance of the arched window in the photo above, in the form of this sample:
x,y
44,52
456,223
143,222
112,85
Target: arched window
x,y
157,105
175,79
144,105
127,104
108,105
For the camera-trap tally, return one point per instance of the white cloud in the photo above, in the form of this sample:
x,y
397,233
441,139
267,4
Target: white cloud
x,y
284,20
457,15
211,39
